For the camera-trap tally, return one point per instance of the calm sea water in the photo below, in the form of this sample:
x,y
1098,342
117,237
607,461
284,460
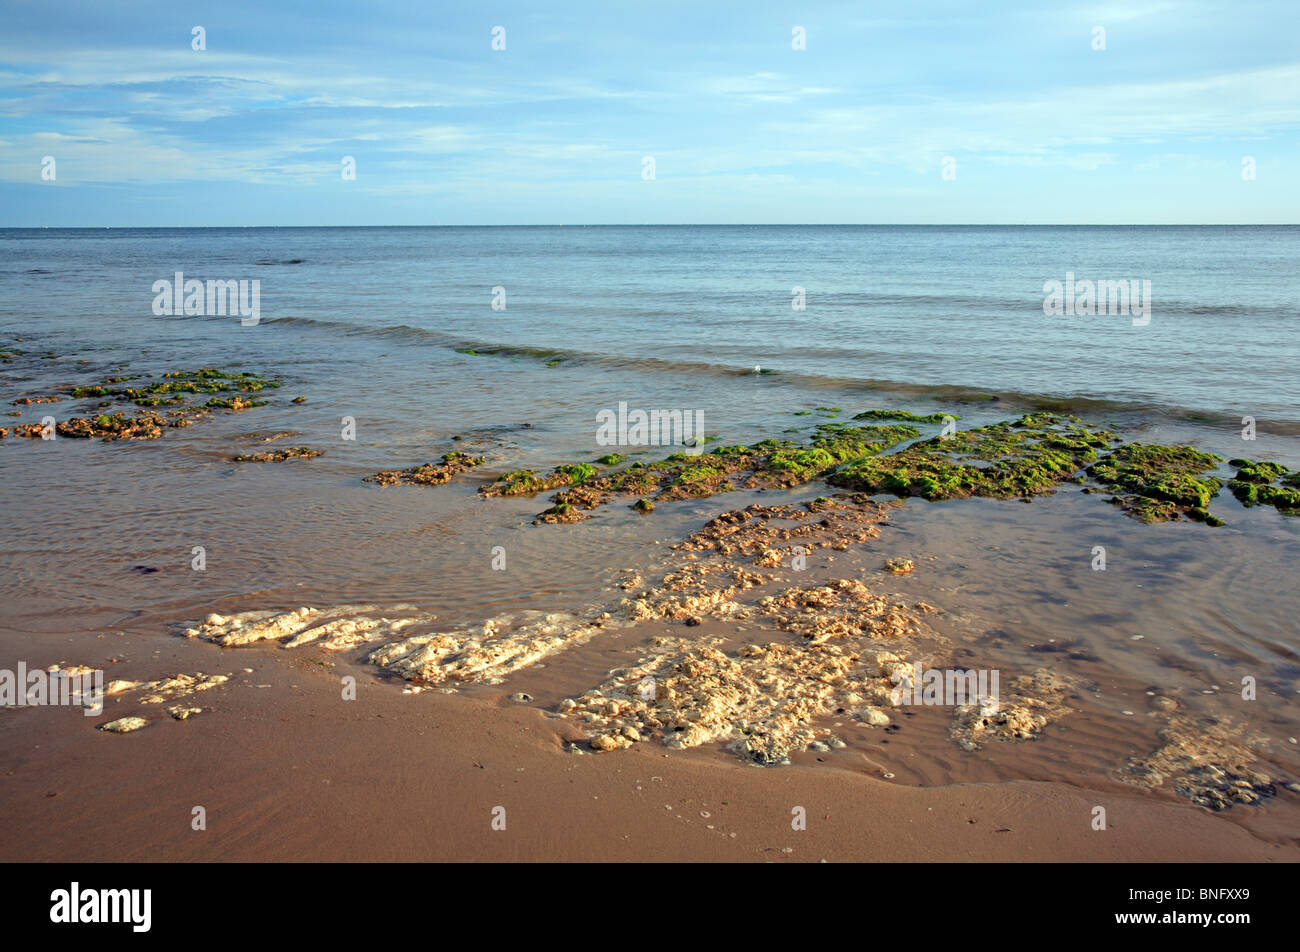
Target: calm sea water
x,y
905,308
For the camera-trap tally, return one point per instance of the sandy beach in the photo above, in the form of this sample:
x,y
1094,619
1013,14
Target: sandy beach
x,y
799,664
287,772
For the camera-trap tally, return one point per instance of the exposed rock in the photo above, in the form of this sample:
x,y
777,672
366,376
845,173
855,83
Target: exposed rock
x,y
900,566
124,725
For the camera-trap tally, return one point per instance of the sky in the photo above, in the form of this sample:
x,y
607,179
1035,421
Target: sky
x,y
1146,111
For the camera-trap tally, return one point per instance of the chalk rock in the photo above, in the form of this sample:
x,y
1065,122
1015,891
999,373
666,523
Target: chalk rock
x,y
873,716
124,725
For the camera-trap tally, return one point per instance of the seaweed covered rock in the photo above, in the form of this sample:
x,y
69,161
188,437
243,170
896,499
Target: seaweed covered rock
x,y
1249,471
430,474
278,456
526,482
771,464
1021,458
1253,485
177,386
174,390
563,513
116,426
905,415
1156,483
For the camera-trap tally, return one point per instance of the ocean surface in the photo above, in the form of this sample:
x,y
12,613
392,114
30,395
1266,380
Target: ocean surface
x,y
927,310
395,329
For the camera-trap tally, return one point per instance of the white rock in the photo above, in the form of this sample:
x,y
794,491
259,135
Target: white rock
x,y
124,725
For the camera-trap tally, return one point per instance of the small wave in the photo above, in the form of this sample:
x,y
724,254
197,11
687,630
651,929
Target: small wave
x,y
1020,400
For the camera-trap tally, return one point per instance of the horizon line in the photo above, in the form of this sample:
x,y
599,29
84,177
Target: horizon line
x,y
691,225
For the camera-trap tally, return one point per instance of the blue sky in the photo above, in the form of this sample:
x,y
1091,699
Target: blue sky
x,y
555,128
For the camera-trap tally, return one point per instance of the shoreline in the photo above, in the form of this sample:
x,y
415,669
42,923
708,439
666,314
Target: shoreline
x,y
285,772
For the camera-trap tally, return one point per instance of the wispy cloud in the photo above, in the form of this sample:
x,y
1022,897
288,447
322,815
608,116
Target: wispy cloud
x,y
726,107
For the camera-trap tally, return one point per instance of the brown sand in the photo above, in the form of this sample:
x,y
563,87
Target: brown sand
x,y
287,770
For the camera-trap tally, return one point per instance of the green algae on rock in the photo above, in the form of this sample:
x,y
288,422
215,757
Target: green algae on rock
x,y
108,427
1020,458
1283,499
899,566
845,443
173,390
577,473
235,403
1253,485
1156,483
175,387
562,513
1258,472
905,415
770,464
277,456
429,474
519,482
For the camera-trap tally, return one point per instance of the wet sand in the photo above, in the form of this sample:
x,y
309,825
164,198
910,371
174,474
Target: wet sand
x,y
1122,685
288,771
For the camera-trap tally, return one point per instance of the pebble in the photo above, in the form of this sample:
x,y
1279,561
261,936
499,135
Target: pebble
x,y
874,716
124,725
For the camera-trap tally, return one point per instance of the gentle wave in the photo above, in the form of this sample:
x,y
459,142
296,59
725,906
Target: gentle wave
x,y
935,393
